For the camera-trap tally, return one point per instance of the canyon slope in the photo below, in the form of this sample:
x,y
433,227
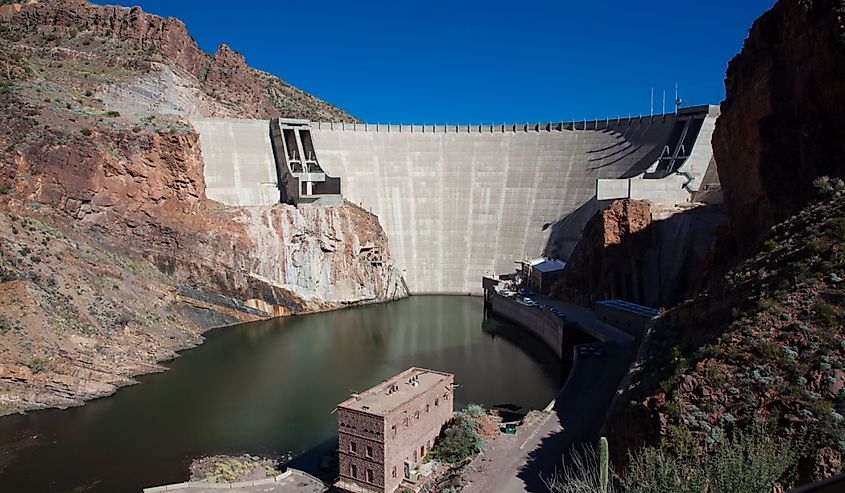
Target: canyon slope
x,y
761,338
113,258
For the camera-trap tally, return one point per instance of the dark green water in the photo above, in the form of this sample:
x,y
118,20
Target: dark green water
x,y
269,388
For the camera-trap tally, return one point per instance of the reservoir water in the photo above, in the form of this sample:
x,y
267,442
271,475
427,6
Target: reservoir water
x,y
268,388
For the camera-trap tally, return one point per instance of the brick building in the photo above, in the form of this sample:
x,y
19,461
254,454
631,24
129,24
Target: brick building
x,y
384,433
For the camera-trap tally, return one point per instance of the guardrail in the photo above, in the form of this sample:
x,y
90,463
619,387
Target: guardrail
x,y
598,124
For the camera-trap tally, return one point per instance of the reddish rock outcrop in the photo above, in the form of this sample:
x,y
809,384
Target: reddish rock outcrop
x,y
783,119
229,87
602,263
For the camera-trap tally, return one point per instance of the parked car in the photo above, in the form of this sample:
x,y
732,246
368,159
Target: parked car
x,y
591,352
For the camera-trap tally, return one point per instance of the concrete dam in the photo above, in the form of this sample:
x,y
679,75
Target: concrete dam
x,y
459,202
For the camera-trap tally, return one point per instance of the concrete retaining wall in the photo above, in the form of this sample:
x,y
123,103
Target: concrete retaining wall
x,y
542,324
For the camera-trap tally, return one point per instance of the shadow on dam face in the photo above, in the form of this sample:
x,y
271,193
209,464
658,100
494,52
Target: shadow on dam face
x,y
457,202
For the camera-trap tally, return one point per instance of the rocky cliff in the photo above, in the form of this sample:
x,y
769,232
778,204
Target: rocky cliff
x,y
112,255
761,342
153,64
783,118
640,252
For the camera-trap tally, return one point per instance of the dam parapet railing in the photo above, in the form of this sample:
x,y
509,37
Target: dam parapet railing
x,y
579,125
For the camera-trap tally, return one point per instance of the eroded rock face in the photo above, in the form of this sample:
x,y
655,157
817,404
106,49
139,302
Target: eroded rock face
x,y
144,192
602,261
182,75
783,120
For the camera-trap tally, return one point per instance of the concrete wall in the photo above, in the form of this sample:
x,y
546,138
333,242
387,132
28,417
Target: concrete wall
x,y
460,202
542,324
239,164
668,191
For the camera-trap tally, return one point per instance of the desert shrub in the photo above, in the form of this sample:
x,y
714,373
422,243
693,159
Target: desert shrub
x,y
458,440
475,411
112,114
85,131
770,245
37,364
765,303
826,186
580,473
7,275
825,312
751,461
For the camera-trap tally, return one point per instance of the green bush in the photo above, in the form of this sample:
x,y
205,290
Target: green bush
x,y
37,364
458,440
112,114
475,411
85,131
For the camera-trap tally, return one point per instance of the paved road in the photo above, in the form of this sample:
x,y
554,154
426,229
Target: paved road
x,y
586,318
577,416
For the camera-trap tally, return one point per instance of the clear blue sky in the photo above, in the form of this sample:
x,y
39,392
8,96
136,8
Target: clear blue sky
x,y
481,61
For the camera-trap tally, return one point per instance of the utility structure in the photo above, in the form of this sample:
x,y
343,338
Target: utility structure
x,y
302,180
384,433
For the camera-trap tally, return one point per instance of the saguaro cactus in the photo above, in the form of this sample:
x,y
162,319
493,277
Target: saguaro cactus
x,y
603,464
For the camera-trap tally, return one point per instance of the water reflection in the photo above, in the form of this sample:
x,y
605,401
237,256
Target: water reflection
x,y
269,388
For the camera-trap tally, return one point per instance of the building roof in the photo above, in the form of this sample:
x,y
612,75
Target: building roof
x,y
400,389
548,265
643,311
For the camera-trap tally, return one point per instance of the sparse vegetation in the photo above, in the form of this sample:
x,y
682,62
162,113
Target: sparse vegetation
x,y
779,357
750,461
37,364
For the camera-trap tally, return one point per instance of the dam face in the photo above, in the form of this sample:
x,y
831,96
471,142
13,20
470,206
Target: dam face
x,y
460,202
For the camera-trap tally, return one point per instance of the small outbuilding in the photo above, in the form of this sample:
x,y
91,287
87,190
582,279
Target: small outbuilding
x,y
541,273
630,317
